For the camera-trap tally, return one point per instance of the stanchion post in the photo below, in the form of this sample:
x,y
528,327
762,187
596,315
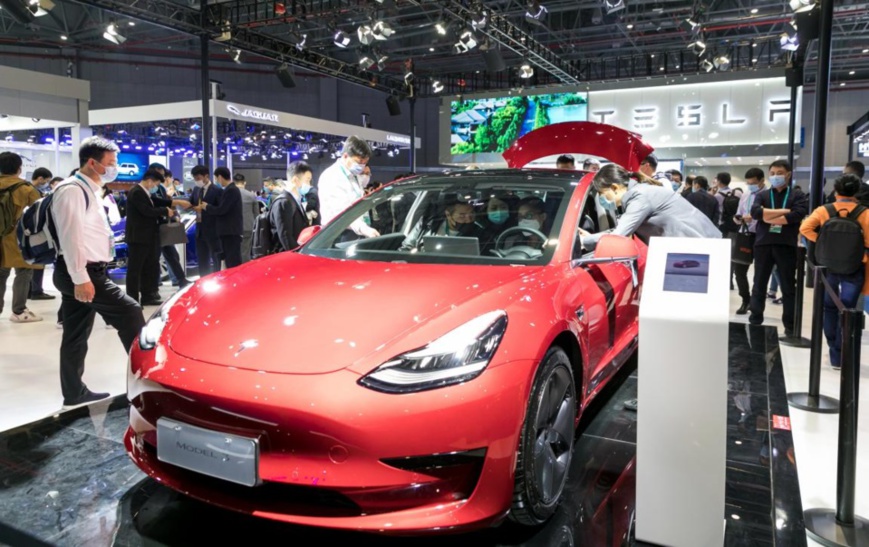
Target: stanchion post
x,y
813,401
852,333
797,339
842,527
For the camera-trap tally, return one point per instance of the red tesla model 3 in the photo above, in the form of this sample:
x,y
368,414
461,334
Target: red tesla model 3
x,y
426,380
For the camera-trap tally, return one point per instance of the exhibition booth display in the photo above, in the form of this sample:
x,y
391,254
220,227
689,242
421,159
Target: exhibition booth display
x,y
43,118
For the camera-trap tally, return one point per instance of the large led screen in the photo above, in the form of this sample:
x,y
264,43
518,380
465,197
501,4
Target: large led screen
x,y
481,129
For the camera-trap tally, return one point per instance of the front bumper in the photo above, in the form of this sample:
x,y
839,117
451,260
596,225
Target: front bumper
x,y
336,454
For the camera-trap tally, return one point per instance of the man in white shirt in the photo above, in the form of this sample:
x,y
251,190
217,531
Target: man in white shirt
x,y
649,167
86,245
340,186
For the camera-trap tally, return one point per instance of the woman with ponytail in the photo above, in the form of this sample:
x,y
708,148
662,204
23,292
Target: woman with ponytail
x,y
647,208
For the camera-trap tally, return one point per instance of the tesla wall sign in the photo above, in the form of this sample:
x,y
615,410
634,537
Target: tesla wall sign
x,y
253,114
745,112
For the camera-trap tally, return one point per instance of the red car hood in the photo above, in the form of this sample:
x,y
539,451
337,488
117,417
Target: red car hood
x,y
299,314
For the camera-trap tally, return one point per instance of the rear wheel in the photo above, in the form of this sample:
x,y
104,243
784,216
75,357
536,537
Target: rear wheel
x,y
546,444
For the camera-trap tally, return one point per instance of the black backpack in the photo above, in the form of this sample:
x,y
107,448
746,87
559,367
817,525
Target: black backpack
x,y
729,207
840,246
261,240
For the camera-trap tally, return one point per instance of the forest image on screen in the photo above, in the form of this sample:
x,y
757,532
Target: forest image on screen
x,y
491,125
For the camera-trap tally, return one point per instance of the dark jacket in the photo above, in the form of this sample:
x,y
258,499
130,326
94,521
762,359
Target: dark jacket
x,y
227,212
312,203
143,217
287,220
206,225
796,201
706,203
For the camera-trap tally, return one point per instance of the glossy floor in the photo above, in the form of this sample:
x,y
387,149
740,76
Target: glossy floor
x,y
66,479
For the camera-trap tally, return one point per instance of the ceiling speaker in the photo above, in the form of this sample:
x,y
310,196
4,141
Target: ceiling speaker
x,y
393,106
285,75
494,61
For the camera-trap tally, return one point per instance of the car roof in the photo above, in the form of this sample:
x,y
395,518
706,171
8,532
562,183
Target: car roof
x,y
550,177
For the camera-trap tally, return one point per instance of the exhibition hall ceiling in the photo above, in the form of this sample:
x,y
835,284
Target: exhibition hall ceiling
x,y
426,47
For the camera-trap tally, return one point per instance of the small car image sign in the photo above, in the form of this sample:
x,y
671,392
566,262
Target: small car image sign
x,y
687,264
128,169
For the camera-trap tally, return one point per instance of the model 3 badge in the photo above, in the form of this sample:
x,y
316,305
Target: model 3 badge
x,y
195,450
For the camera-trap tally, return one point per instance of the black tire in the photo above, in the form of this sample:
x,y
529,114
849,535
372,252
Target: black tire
x,y
546,443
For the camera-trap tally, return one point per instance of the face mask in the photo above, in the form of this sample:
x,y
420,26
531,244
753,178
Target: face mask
x,y
199,183
777,181
110,175
356,168
363,180
465,229
693,190
606,204
754,188
499,216
676,185
152,190
305,189
529,223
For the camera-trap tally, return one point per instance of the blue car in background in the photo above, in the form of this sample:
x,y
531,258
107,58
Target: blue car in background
x,y
118,267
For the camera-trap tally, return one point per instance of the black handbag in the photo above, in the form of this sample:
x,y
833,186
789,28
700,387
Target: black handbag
x,y
742,246
172,233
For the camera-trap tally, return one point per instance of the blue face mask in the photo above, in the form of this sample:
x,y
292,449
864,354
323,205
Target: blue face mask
x,y
305,189
754,188
777,181
695,189
498,216
676,185
606,204
153,190
356,168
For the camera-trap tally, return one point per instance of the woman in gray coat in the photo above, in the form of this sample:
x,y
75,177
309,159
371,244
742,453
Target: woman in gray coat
x,y
648,209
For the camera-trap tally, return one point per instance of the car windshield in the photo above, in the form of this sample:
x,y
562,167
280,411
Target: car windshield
x,y
506,218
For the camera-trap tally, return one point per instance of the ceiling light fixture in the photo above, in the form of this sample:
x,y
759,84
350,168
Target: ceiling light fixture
x,y
366,61
789,43
613,6
382,30
754,10
690,25
707,66
722,62
64,37
526,70
479,19
365,34
441,28
235,55
381,61
629,26
298,39
112,35
698,46
341,39
467,41
536,12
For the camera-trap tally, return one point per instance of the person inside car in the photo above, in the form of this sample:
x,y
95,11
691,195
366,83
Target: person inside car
x,y
457,220
532,215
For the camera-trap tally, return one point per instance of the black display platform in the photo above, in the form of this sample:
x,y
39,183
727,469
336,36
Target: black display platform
x,y
66,480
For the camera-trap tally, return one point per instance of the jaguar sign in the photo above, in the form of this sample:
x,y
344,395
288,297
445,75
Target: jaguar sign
x,y
253,114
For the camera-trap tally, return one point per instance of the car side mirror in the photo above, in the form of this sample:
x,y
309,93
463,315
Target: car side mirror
x,y
308,233
614,248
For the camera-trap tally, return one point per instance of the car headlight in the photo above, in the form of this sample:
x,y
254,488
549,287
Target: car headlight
x,y
458,356
154,327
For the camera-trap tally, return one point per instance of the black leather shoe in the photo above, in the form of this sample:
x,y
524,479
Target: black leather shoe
x,y
41,296
152,302
743,309
84,400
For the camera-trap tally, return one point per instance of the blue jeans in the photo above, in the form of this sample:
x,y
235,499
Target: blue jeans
x,y
774,282
848,288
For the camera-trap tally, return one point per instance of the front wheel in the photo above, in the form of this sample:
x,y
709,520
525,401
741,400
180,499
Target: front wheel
x,y
546,444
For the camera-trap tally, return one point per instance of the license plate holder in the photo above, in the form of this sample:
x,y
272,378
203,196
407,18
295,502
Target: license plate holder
x,y
225,456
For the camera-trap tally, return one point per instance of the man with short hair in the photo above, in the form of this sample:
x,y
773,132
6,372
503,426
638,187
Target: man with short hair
x,y
161,196
250,209
41,180
778,212
19,194
649,167
228,215
722,182
85,245
287,214
703,200
142,234
565,161
858,169
339,184
591,164
207,240
754,180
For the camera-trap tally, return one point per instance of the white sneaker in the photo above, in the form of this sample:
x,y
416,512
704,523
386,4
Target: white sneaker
x,y
26,316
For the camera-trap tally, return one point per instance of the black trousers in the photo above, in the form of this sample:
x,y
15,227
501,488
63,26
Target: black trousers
x,y
740,272
207,253
784,257
231,250
36,282
143,267
116,308
173,261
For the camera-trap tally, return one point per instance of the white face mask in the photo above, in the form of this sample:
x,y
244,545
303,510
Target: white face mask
x,y
199,183
110,175
529,223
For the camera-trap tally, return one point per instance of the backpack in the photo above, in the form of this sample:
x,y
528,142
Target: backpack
x,y
36,233
261,240
730,205
840,246
8,211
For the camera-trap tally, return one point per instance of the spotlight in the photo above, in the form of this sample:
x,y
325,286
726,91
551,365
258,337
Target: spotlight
x,y
526,70
381,61
40,7
341,39
437,86
298,39
366,61
722,62
235,55
800,6
613,6
689,25
364,33
479,19
112,35
698,46
467,41
382,30
789,43
707,66
536,12
225,33
441,28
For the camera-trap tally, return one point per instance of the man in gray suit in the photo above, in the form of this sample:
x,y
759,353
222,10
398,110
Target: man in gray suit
x,y
250,209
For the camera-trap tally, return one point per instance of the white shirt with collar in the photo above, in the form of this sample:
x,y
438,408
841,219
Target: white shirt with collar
x,y
82,227
338,190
